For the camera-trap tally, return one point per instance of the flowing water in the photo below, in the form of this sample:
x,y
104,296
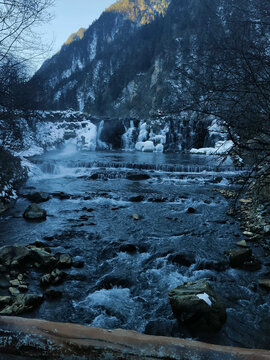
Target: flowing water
x,y
128,267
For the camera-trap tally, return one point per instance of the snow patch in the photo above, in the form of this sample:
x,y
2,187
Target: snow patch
x,y
205,297
221,147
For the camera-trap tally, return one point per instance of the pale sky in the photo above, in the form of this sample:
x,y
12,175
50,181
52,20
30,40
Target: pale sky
x,y
69,16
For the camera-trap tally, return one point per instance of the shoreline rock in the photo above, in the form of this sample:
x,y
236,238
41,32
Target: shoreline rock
x,y
198,307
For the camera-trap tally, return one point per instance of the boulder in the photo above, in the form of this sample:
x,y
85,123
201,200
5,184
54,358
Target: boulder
x,y
20,304
197,306
238,257
34,212
191,210
38,197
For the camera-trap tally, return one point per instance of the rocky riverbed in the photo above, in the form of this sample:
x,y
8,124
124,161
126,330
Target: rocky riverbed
x,y
107,237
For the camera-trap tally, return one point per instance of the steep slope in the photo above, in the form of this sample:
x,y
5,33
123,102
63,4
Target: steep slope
x,y
77,77
75,36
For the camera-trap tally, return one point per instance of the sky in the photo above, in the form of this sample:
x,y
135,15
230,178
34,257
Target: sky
x,y
69,16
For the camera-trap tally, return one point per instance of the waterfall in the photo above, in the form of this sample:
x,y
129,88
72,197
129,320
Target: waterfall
x,y
129,137
101,144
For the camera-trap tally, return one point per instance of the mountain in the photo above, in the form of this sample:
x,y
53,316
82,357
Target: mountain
x,y
177,63
140,11
75,36
86,71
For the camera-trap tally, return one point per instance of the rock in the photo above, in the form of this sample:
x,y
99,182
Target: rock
x,y
65,261
135,217
158,199
265,283
93,177
242,243
128,248
239,256
252,265
23,287
38,197
184,259
61,195
19,253
46,279
14,291
5,300
78,264
191,210
42,257
20,277
138,177
245,201
53,294
88,209
248,233
110,281
22,303
55,277
84,218
138,198
14,282
197,306
34,212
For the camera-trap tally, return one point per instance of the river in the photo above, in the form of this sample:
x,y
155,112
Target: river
x,y
128,267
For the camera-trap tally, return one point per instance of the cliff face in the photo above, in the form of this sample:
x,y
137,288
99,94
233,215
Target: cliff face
x,y
42,339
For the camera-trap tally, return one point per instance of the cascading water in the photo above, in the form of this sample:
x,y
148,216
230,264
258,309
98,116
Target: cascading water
x,y
129,266
101,144
128,138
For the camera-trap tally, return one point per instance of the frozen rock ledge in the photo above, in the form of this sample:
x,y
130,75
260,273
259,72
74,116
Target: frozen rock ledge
x,y
38,339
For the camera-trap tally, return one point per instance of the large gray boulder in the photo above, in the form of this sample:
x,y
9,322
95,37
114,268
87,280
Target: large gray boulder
x,y
34,212
197,306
